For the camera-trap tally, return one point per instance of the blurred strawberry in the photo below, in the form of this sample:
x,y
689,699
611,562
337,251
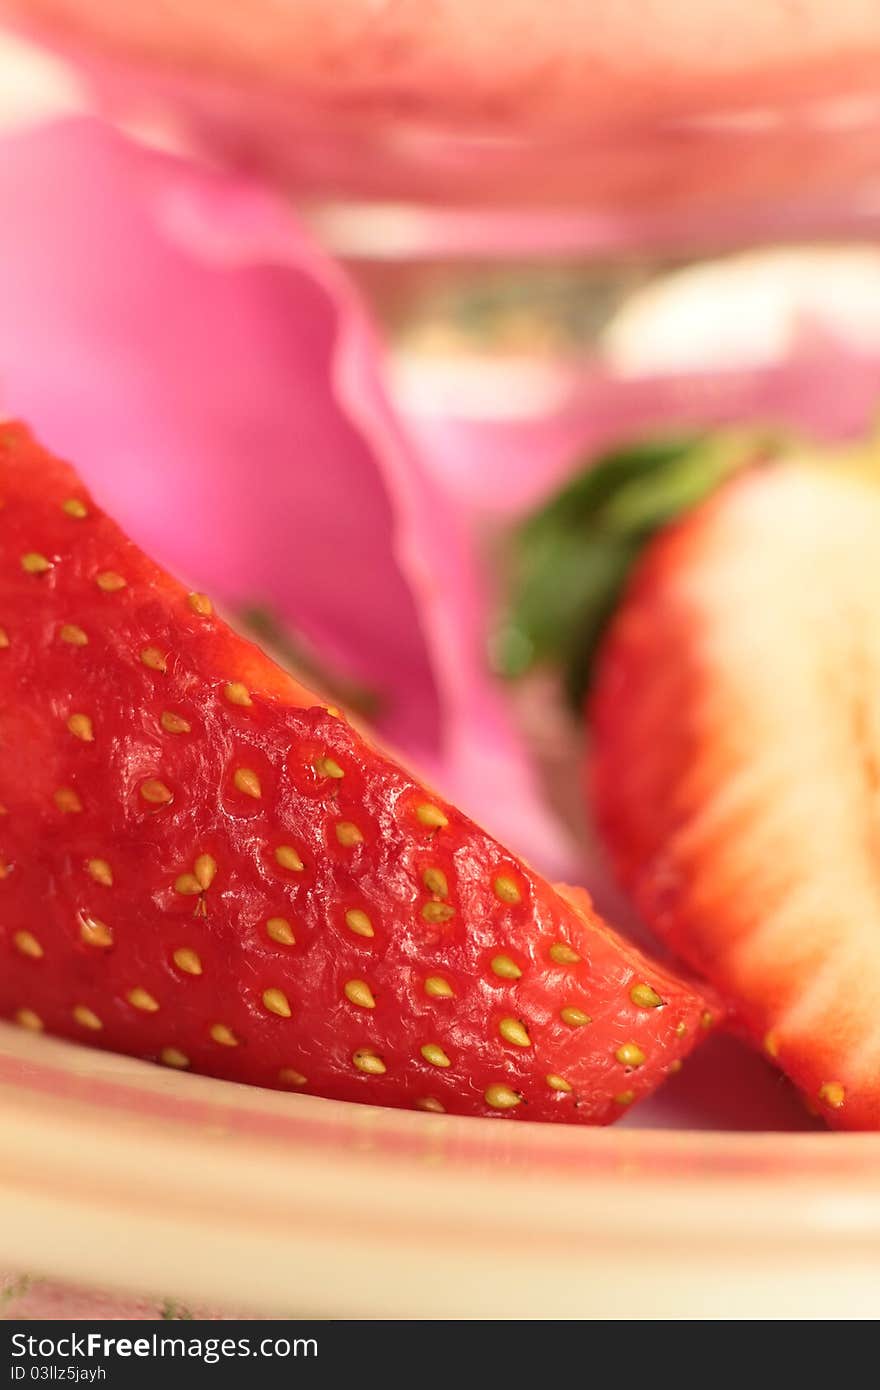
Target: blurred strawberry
x,y
721,618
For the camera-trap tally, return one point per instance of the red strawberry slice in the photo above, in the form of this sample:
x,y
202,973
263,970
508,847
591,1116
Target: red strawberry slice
x,y
204,866
736,772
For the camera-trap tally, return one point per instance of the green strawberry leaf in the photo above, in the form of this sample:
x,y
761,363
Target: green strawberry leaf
x,y
572,558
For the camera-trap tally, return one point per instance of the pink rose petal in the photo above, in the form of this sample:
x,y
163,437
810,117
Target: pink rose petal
x,y
501,468
199,399
174,331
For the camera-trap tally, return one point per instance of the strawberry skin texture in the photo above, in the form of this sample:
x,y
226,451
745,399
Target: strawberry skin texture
x,y
203,865
734,767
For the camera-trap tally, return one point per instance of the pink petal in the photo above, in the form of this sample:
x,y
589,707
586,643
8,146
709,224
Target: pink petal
x,y
199,399
175,333
502,468
485,766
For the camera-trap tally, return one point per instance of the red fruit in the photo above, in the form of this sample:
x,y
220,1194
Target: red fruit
x,y
204,866
736,767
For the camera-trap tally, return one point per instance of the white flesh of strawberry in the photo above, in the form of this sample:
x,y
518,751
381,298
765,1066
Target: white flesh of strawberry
x,y
781,847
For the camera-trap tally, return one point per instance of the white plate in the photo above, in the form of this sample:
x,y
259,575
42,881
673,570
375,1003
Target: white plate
x,y
117,1174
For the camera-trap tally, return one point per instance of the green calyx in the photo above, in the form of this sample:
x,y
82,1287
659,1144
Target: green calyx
x,y
572,558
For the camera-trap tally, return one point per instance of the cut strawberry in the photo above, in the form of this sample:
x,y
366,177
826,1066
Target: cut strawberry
x,y
718,604
203,866
736,771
